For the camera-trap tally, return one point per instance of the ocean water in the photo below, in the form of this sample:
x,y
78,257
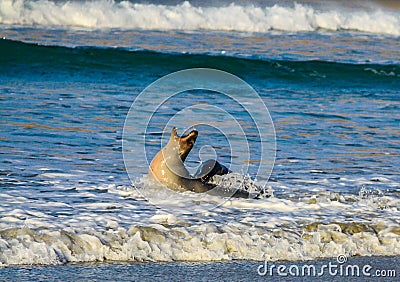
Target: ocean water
x,y
328,73
193,271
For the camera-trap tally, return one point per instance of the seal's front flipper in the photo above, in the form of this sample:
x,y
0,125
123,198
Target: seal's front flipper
x,y
210,168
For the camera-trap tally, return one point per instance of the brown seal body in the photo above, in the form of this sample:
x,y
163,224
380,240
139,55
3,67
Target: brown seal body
x,y
168,168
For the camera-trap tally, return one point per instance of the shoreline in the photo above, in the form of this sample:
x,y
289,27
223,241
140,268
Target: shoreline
x,y
217,271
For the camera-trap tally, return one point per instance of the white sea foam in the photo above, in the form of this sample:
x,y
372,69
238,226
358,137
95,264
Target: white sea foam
x,y
126,15
205,242
119,225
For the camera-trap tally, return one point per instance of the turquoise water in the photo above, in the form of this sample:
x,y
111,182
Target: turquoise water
x,y
333,93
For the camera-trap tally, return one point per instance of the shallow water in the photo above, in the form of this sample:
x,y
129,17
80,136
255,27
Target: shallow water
x,y
65,196
221,271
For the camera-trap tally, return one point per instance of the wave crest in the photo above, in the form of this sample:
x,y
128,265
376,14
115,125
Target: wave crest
x,y
127,15
207,242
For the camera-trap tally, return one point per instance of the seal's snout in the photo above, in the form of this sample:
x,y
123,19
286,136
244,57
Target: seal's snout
x,y
186,142
192,136
190,139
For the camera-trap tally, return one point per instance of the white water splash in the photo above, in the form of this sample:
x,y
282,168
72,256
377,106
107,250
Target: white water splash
x,y
127,15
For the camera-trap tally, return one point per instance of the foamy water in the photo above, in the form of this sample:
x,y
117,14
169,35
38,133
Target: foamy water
x,y
316,226
233,17
65,195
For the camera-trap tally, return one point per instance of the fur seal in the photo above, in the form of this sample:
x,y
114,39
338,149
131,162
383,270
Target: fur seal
x,y
168,168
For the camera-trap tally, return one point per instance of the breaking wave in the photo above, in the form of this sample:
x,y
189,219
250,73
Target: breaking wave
x,y
185,16
282,230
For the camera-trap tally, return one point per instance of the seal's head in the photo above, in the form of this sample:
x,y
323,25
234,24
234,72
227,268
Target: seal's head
x,y
184,142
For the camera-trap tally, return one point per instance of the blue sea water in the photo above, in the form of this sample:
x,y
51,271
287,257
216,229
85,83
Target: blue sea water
x,y
195,271
69,72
